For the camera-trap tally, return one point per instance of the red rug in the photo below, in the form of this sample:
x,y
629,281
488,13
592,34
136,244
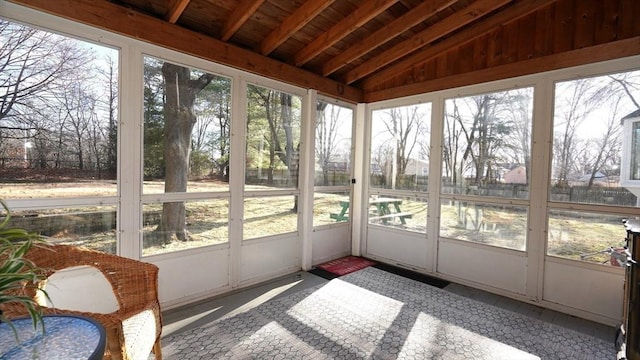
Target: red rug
x,y
345,265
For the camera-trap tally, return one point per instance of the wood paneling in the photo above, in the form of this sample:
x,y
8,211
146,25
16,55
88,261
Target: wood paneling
x,y
608,51
382,48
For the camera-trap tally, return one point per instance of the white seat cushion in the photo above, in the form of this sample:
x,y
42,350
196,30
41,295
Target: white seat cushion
x,y
80,288
140,334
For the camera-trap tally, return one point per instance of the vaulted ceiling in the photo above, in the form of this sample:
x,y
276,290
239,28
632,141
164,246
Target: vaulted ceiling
x,y
369,50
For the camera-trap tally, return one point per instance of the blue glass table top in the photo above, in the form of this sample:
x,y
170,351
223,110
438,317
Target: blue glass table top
x,y
66,337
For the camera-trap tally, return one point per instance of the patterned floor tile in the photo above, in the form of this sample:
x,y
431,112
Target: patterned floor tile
x,y
373,314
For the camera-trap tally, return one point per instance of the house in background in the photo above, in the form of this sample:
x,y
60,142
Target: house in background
x,y
515,175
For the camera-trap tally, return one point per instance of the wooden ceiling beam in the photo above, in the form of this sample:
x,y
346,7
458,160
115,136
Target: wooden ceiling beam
x,y
176,10
238,17
294,22
469,14
603,52
353,21
418,14
130,23
518,10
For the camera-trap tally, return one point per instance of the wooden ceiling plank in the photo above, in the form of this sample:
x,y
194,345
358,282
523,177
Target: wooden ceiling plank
x,y
294,22
465,16
176,10
128,22
416,15
608,51
238,17
353,21
518,10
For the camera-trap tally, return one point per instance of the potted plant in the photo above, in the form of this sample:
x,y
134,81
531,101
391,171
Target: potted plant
x,y
17,272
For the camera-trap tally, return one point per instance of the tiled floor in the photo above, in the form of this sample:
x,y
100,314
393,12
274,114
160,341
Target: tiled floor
x,y
193,315
182,320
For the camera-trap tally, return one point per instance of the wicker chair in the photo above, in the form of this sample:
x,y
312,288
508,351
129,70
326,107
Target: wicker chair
x,y
133,330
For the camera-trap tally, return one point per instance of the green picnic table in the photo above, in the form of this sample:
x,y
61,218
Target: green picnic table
x,y
386,210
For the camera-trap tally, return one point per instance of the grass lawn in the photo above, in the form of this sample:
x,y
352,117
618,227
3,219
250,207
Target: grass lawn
x,y
571,234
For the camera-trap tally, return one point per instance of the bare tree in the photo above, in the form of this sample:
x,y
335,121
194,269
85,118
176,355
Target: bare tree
x,y
33,63
277,109
109,100
577,102
485,133
629,84
451,143
210,138
518,114
405,129
80,106
327,136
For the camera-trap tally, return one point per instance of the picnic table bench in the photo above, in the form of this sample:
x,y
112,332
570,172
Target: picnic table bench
x,y
386,209
343,214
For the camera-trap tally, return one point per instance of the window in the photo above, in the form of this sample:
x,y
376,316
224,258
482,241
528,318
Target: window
x,y
205,223
267,216
491,224
486,160
333,144
272,161
587,139
588,236
399,167
400,148
273,139
333,163
187,121
487,144
59,135
634,163
586,167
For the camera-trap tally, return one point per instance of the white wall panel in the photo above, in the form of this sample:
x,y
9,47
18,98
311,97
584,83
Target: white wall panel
x,y
265,258
189,275
400,247
585,289
330,243
497,268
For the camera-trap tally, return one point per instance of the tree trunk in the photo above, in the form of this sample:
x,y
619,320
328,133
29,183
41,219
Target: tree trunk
x,y
179,121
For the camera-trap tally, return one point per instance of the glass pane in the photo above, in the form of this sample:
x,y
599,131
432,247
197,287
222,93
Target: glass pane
x,y
93,227
333,145
497,225
329,208
587,139
273,139
400,148
409,213
592,237
187,122
265,216
635,152
487,144
58,115
203,222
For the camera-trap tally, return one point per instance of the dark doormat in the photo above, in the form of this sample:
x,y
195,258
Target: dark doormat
x,y
323,274
439,283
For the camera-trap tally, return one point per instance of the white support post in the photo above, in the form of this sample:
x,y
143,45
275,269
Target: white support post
x,y
542,133
435,182
306,178
236,177
358,189
130,142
